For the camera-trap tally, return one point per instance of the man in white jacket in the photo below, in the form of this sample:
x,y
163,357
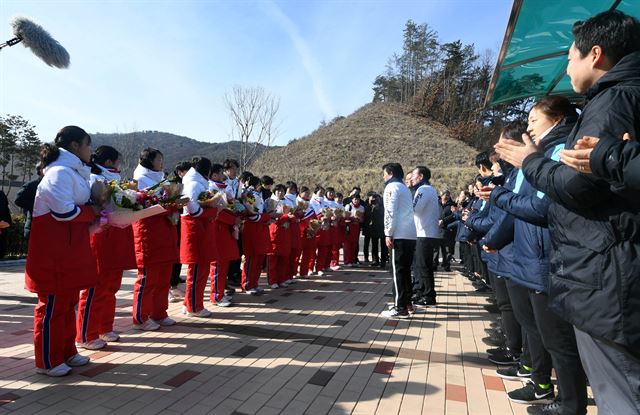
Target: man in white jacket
x,y
400,237
426,215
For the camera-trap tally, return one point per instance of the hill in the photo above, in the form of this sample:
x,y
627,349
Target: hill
x,y
174,147
351,151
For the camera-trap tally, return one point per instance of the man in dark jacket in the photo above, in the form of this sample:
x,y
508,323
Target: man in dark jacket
x,y
595,228
24,200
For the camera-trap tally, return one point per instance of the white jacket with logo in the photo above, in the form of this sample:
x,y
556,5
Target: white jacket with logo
x,y
398,211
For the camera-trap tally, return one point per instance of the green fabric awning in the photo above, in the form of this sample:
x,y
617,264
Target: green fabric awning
x,y
533,58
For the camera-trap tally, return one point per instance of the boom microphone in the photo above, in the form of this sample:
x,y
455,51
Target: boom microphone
x,y
34,37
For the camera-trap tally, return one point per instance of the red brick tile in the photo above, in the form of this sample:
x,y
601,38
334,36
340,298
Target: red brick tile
x,y
456,393
384,368
493,383
8,398
391,323
99,355
182,378
98,369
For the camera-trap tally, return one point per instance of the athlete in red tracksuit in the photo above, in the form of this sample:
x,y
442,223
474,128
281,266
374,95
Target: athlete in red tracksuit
x,y
227,251
308,244
156,246
290,200
280,236
198,244
255,242
113,249
336,230
353,223
60,262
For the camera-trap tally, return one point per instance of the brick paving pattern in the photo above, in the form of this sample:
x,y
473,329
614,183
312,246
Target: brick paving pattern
x,y
320,347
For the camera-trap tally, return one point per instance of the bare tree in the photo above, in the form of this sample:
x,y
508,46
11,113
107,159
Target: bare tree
x,y
253,113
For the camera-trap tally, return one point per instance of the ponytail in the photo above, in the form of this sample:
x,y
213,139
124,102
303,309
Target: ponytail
x,y
101,155
67,135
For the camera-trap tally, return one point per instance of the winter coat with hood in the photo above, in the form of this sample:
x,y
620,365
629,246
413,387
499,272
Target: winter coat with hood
x,y
594,227
531,245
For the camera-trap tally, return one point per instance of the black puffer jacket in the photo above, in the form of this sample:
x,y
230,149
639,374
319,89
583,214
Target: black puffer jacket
x,y
595,227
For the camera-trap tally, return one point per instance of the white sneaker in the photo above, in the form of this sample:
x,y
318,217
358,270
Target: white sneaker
x,y
335,268
310,274
290,281
148,325
204,313
320,273
274,286
176,295
110,337
95,344
258,291
77,360
166,322
61,370
251,291
225,302
394,313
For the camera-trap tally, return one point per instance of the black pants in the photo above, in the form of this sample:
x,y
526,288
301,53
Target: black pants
x,y
402,257
384,251
614,374
441,248
175,275
559,339
367,241
423,266
510,325
235,273
523,311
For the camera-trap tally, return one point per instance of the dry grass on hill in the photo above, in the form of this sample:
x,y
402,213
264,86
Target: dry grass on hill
x,y
352,150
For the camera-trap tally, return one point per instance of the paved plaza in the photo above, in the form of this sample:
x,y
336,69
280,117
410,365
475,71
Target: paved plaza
x,y
317,347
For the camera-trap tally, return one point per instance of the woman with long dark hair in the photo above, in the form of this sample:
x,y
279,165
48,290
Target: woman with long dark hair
x,y
60,262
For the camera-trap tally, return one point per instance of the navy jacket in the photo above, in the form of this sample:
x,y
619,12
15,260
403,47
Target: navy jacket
x,y
531,243
481,223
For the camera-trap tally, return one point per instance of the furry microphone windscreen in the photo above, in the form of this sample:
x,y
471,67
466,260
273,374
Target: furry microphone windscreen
x,y
40,42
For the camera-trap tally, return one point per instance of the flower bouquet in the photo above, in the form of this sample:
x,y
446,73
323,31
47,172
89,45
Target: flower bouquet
x,y
314,225
212,199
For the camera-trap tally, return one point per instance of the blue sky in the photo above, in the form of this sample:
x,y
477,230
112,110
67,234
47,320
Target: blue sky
x,y
165,65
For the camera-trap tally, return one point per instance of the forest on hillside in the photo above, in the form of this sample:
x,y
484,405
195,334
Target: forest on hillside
x,y
447,82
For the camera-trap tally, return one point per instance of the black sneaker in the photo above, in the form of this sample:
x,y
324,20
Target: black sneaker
x,y
494,332
494,341
483,289
504,358
518,372
229,291
532,393
554,408
493,309
501,349
425,302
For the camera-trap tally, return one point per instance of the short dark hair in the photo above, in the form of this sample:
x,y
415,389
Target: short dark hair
x,y
356,188
339,195
425,172
482,159
246,175
182,166
253,180
266,180
279,187
318,188
514,130
291,185
216,168
304,189
202,165
394,169
618,34
148,155
330,189
228,163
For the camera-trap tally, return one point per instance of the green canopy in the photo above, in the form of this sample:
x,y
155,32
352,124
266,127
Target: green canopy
x,y
533,58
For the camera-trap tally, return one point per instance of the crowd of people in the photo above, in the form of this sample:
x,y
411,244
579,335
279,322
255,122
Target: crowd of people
x,y
549,228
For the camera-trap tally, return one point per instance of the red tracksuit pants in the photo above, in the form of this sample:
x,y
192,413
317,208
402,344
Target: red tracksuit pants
x,y
335,254
97,307
197,275
323,258
307,260
277,269
294,261
54,329
350,250
218,276
150,292
251,271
